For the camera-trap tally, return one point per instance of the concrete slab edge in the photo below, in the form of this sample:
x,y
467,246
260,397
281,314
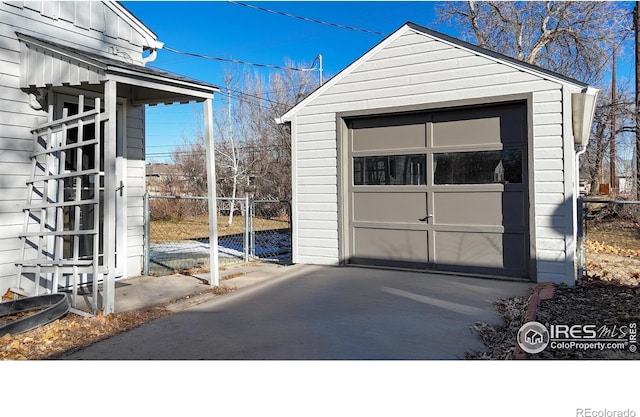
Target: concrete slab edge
x,y
196,299
545,291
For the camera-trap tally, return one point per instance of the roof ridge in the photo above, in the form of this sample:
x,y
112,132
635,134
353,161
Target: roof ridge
x,y
491,53
455,42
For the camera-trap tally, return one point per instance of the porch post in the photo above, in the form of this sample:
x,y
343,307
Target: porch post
x,y
211,190
109,201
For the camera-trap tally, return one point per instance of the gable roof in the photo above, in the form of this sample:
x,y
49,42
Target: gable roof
x,y
455,42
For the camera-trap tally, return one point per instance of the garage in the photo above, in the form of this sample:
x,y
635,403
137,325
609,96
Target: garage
x,y
433,154
443,190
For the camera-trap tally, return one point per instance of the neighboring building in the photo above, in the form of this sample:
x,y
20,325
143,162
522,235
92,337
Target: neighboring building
x,y
625,186
73,77
432,153
164,179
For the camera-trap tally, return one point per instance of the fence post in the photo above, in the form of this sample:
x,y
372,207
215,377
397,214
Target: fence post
x,y
246,228
580,232
147,236
290,224
252,231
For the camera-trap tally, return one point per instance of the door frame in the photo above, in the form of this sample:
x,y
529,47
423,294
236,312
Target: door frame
x,y
342,162
72,95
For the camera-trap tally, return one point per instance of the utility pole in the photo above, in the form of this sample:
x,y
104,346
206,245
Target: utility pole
x,y
636,30
614,107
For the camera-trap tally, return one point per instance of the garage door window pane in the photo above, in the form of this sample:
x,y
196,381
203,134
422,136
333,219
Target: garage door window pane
x,y
390,170
487,167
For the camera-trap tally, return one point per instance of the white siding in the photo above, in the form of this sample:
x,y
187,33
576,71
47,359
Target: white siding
x,y
88,25
17,119
418,70
552,225
135,190
92,27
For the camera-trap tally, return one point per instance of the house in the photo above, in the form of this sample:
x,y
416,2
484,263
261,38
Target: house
x,y
434,154
163,179
74,85
534,337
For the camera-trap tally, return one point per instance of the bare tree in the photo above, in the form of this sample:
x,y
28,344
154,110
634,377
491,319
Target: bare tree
x,y
229,156
272,175
593,161
190,165
252,151
262,147
572,38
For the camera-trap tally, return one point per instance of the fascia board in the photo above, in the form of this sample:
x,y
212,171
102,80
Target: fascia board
x,y
126,73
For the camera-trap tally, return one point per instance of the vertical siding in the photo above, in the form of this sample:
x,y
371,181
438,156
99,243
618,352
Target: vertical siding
x,y
417,70
135,190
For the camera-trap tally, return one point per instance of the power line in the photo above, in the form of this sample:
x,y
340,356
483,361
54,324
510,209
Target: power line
x,y
236,61
242,93
245,148
307,19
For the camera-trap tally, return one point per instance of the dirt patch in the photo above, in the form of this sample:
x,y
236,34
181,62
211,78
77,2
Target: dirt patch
x,y
72,332
609,306
608,297
500,340
611,263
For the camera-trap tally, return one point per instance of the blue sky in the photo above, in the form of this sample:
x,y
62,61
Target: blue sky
x,y
232,31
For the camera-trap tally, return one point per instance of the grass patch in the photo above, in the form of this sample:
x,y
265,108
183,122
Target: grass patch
x,y
197,227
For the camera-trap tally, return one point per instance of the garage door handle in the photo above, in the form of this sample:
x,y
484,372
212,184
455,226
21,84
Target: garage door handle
x,y
425,218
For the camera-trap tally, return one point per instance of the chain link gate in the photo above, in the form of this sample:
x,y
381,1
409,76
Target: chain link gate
x,y
270,230
177,233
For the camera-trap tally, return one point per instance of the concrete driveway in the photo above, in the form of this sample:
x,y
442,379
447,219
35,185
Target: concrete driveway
x,y
324,313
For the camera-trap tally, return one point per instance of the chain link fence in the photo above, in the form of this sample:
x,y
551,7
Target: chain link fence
x,y
609,241
177,236
270,230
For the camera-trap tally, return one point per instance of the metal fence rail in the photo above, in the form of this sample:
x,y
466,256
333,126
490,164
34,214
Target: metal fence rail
x,y
177,232
608,240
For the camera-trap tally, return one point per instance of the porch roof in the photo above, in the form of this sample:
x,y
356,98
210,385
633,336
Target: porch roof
x,y
44,63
